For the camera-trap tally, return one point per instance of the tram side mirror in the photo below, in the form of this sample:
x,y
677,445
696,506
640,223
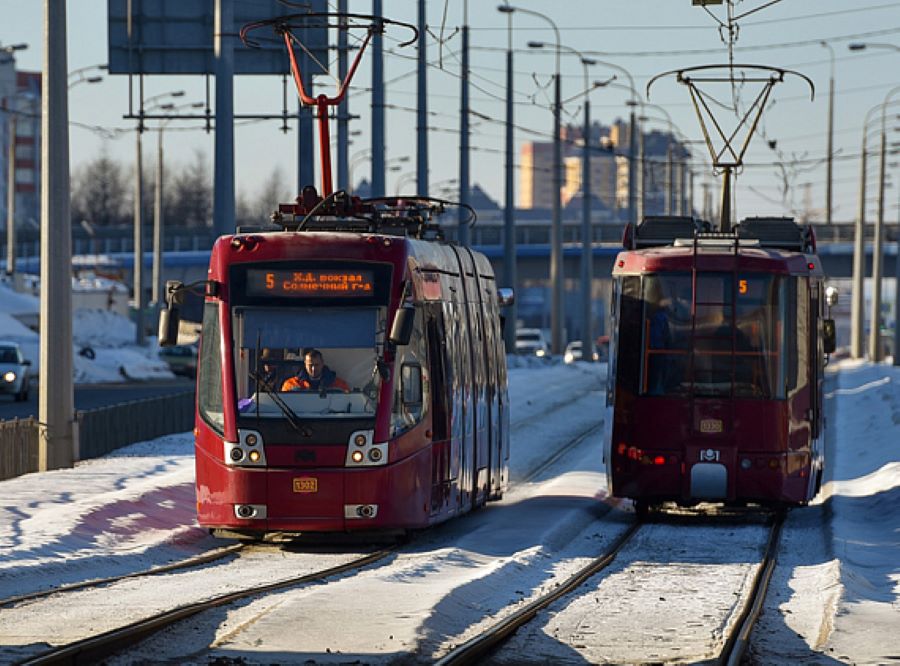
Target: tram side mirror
x,y
170,316
829,336
404,320
505,296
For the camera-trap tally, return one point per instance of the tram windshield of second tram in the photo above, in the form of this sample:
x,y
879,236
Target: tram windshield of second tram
x,y
733,345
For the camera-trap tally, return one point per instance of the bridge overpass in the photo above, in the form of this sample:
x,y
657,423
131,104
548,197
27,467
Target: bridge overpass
x,y
187,259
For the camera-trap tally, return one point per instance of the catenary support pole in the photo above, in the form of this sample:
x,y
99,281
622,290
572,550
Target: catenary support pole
x,y
56,403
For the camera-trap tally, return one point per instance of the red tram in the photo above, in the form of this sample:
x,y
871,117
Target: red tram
x,y
715,383
419,431
407,423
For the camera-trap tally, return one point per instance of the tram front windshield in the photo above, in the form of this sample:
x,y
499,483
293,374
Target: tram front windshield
x,y
732,344
307,362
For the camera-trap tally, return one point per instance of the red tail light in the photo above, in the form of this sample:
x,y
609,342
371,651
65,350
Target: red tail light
x,y
659,460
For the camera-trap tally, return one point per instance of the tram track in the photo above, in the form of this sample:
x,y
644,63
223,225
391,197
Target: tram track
x,y
95,648
481,647
196,561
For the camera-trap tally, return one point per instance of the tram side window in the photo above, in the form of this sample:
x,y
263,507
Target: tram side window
x,y
666,333
411,384
799,345
628,361
209,385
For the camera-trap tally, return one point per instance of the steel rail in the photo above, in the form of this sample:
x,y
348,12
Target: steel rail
x,y
737,643
475,648
92,650
197,560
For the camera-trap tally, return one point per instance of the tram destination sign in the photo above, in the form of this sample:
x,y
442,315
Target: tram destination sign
x,y
311,283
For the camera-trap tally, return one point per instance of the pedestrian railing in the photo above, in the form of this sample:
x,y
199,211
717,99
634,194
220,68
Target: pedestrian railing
x,y
18,447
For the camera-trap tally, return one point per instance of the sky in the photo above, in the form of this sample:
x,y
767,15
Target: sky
x,y
646,37
834,596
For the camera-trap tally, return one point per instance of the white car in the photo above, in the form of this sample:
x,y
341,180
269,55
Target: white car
x,y
14,374
573,352
531,341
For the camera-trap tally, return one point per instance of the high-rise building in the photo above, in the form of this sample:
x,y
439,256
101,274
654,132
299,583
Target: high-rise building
x,y
609,169
20,129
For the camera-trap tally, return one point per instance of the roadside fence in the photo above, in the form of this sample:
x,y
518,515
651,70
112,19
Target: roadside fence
x,y
99,431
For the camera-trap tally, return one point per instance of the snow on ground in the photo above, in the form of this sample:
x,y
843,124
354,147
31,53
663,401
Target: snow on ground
x,y
103,340
835,597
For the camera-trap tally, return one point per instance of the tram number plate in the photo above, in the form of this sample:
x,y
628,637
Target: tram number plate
x,y
710,425
306,484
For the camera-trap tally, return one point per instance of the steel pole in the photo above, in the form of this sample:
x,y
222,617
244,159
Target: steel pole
x,y
587,241
378,185
859,263
138,272
158,231
56,404
632,167
878,255
557,277
464,194
223,184
343,117
509,229
422,108
11,195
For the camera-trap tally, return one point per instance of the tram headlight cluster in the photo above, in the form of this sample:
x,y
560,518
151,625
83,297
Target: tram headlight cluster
x,y
363,452
248,451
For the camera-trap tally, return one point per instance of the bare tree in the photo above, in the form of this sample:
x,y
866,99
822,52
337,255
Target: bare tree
x,y
257,208
191,195
100,193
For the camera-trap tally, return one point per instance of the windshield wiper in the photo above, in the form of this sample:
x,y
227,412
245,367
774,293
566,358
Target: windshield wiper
x,y
289,414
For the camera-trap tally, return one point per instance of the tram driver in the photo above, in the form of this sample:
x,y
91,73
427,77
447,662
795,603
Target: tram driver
x,y
315,375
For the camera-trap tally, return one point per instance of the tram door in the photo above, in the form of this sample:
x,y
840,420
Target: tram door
x,y
442,470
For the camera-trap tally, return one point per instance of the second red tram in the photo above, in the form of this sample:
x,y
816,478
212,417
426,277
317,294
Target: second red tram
x,y
715,383
416,429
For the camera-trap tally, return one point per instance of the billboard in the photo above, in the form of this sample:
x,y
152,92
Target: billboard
x,y
176,36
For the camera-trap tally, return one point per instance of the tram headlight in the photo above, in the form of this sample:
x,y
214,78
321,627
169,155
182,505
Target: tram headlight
x,y
375,455
360,440
237,454
10,376
357,456
746,463
254,456
251,441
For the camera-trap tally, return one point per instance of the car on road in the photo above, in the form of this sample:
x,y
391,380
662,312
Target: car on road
x,y
182,359
531,341
14,371
574,352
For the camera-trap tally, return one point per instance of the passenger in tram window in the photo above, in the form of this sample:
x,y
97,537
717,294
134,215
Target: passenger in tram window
x,y
269,370
315,375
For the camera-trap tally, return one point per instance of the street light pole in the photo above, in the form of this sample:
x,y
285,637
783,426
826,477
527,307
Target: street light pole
x,y
464,187
509,229
878,248
830,148
138,272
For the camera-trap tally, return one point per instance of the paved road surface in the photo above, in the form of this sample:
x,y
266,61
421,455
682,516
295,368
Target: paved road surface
x,y
92,396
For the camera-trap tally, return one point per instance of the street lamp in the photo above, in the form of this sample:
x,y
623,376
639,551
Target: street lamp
x,y
80,75
158,221
829,180
509,210
587,269
557,277
137,277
